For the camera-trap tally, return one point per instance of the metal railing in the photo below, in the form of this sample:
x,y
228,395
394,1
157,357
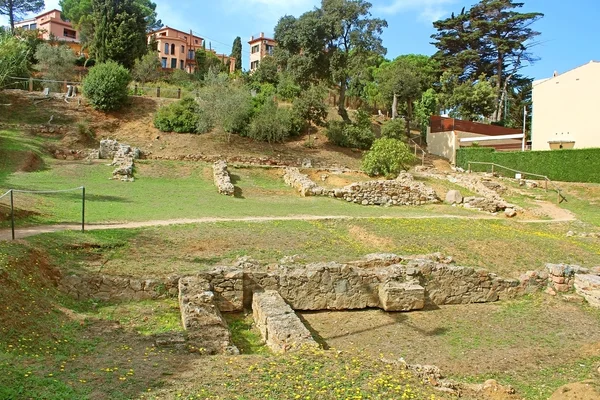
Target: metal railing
x,y
417,149
11,193
546,180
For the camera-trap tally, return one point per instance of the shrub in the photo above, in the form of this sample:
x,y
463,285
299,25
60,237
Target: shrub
x,y
105,86
387,157
272,124
55,63
350,135
147,68
394,129
572,165
310,106
287,88
180,117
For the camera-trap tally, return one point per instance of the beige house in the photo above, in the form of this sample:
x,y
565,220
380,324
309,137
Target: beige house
x,y
566,109
446,135
260,47
51,26
177,49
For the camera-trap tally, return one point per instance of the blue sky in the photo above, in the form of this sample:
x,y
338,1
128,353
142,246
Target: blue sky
x,y
570,30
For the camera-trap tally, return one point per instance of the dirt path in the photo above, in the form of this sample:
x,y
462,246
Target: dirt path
x,y
5,234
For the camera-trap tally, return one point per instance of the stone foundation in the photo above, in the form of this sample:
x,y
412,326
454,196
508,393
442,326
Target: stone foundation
x,y
202,319
222,179
403,190
279,326
123,156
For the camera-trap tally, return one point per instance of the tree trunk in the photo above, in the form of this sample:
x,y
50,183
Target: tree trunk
x,y
395,107
11,16
498,113
408,116
342,102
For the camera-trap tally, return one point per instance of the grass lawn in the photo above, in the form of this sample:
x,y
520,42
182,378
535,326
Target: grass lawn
x,y
171,190
504,247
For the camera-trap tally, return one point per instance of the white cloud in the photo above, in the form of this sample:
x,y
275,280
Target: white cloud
x,y
428,10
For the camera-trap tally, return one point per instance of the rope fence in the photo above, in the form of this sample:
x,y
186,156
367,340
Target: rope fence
x,y
11,193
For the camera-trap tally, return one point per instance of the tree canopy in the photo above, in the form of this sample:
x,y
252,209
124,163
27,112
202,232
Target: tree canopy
x,y
329,43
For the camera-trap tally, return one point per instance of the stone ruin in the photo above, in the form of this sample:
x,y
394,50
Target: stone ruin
x,y
123,156
403,190
386,281
222,179
490,192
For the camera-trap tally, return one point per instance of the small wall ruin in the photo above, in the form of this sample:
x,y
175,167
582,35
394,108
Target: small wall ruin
x,y
403,190
387,281
123,156
222,179
280,327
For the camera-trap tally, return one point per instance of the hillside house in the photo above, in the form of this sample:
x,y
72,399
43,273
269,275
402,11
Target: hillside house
x,y
177,49
260,47
51,26
565,109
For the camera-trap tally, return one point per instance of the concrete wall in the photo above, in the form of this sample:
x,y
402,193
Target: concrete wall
x,y
565,109
442,144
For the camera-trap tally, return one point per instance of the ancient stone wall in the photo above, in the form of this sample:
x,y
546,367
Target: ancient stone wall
x,y
279,326
117,288
202,319
403,190
222,179
123,156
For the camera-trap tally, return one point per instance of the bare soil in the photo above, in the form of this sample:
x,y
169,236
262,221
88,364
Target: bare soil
x,y
587,390
329,179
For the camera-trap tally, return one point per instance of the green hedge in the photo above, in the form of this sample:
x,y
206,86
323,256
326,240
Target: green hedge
x,y
574,165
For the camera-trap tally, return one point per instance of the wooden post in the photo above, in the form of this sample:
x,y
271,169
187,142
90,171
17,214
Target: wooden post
x,y
469,167
83,209
179,93
158,91
492,169
31,84
65,86
135,90
12,215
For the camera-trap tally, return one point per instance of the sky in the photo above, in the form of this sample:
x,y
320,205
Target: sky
x,y
570,29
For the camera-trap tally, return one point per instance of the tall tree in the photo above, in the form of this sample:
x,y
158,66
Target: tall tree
x,y
17,8
119,31
13,57
493,38
330,42
236,51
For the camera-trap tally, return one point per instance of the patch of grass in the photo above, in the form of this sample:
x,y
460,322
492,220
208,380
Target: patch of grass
x,y
244,335
25,111
146,318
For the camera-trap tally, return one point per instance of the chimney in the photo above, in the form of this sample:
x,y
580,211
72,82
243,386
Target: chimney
x,y
252,38
262,34
555,74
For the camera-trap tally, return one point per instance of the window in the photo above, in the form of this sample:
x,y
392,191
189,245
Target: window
x,y
173,48
33,26
191,55
173,63
253,65
69,33
255,49
269,49
163,34
163,62
166,48
196,41
182,49
180,64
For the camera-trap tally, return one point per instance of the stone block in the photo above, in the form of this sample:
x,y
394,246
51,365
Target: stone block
x,y
278,324
401,296
454,197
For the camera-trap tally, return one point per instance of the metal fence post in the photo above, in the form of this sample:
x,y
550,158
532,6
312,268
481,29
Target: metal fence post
x,y
12,215
158,91
83,209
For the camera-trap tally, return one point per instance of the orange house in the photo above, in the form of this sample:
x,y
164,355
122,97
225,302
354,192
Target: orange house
x,y
52,26
177,49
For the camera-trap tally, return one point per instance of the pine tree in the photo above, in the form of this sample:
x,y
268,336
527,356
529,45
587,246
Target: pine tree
x,y
17,8
119,31
236,52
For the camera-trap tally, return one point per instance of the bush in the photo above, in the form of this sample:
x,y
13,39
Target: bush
x,y
573,165
181,117
105,86
310,106
272,124
147,68
395,129
350,135
387,157
287,88
55,63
